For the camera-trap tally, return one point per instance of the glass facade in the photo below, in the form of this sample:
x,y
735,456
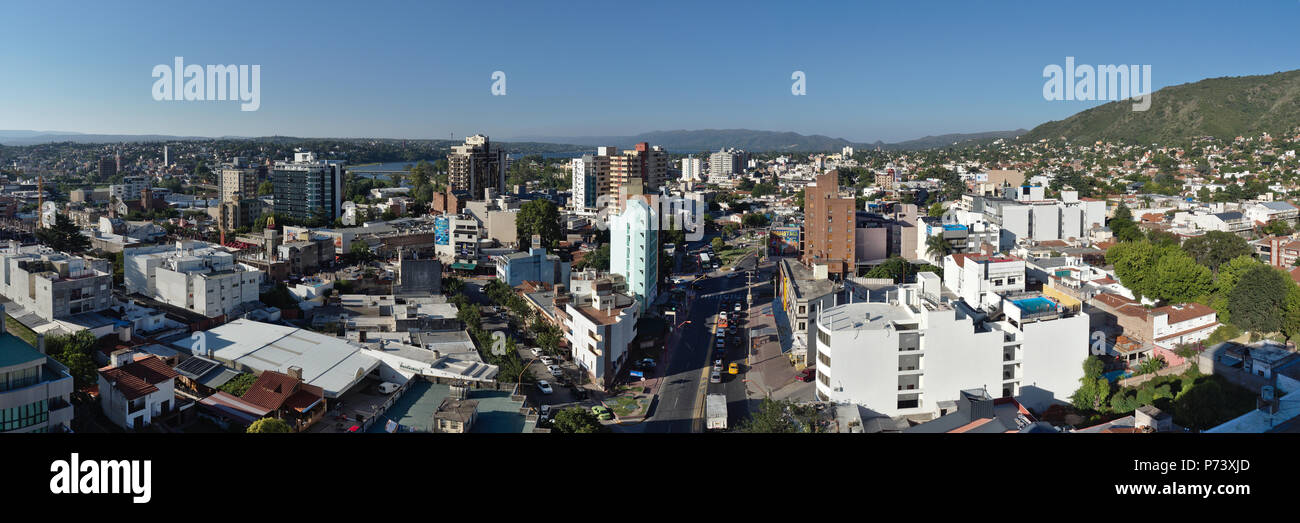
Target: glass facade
x,y
22,416
18,379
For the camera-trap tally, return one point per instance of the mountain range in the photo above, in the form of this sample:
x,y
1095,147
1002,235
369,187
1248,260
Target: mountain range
x,y
1224,108
1220,107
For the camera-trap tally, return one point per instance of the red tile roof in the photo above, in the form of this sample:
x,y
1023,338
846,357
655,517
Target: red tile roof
x,y
140,377
273,389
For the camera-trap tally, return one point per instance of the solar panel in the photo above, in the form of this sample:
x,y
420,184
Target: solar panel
x,y
195,367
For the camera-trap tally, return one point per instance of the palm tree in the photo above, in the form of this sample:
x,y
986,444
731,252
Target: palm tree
x,y
937,246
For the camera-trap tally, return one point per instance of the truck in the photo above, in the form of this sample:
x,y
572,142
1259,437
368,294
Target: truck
x,y
715,412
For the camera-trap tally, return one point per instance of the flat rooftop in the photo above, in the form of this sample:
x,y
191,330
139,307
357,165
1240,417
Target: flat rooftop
x,y
864,316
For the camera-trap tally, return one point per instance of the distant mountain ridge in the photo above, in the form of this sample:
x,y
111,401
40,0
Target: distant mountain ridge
x,y
765,141
681,141
1224,108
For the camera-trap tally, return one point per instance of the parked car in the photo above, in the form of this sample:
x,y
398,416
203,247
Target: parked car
x,y
388,387
602,412
555,370
806,375
537,351
548,361
715,377
545,387
646,363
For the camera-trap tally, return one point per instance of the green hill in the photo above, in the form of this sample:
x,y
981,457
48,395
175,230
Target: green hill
x,y
1220,107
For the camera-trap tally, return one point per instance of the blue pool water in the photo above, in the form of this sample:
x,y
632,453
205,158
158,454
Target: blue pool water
x,y
1035,305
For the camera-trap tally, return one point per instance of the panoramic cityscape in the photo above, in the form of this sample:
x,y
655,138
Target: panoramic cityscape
x,y
845,219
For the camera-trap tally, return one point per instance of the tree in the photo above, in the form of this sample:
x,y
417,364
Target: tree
x,y
265,188
895,268
269,426
1135,264
936,210
1178,278
577,421
360,251
538,217
1258,299
64,236
937,246
1123,226
1201,407
718,244
1278,228
596,259
770,418
1094,389
1216,247
1163,238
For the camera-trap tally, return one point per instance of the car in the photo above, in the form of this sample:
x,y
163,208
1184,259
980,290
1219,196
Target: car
x,y
537,352
715,377
645,363
722,342
717,363
388,387
545,411
736,307
806,375
555,370
734,368
545,387
602,412
547,360
578,393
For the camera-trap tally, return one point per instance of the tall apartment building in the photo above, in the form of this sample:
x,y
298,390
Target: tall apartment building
x,y
239,191
107,167
726,162
130,188
634,250
590,180
54,285
640,170
193,275
34,388
308,189
692,170
830,223
915,352
476,166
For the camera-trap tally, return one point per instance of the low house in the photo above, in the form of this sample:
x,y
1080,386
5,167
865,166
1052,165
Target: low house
x,y
288,398
133,393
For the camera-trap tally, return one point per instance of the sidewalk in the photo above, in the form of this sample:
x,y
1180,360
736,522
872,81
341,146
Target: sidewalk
x,y
769,368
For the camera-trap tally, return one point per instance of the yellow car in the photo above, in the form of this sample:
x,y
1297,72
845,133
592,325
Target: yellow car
x,y
734,368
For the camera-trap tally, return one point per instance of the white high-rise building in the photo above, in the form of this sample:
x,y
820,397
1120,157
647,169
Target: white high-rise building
x,y
915,352
726,162
634,250
692,170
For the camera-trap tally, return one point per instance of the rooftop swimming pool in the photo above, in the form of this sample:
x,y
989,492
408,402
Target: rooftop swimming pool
x,y
1035,305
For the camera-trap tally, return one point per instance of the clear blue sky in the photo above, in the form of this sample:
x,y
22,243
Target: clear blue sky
x,y
886,70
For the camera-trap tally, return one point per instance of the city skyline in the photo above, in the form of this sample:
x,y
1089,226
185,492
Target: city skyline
x,y
876,72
